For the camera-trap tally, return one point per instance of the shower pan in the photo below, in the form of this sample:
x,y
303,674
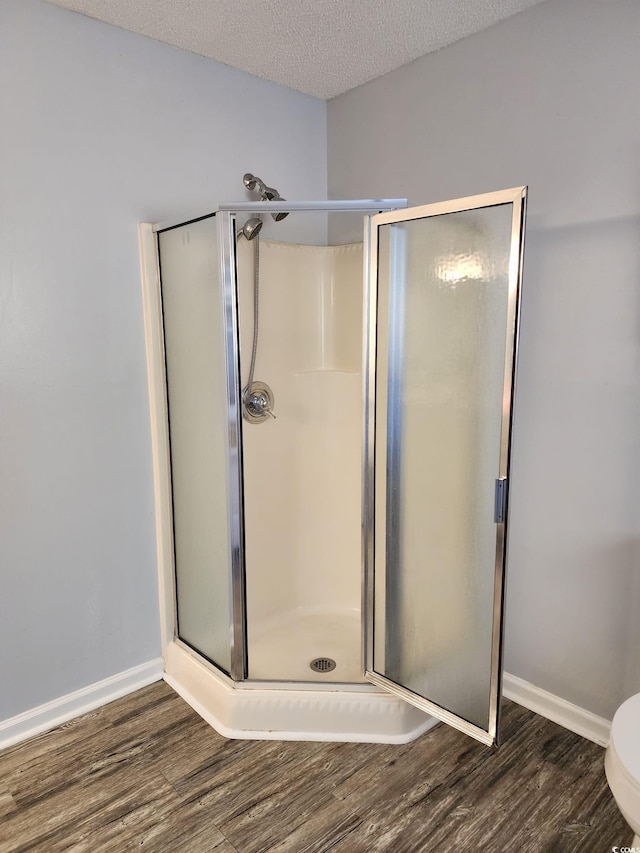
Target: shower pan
x,y
334,569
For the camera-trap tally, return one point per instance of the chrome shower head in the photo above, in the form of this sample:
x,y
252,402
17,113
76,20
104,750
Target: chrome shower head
x,y
270,194
251,228
252,182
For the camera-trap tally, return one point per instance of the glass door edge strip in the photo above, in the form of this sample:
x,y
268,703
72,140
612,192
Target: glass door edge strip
x,y
488,738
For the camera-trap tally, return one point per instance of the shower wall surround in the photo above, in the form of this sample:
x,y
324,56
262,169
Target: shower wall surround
x,y
302,470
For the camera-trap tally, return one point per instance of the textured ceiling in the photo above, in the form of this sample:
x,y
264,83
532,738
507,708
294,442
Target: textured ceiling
x,y
321,47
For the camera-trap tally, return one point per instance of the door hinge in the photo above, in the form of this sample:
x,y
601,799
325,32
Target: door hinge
x,y
500,503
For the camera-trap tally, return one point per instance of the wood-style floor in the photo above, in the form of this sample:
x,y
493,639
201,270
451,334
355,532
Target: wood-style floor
x,y
146,773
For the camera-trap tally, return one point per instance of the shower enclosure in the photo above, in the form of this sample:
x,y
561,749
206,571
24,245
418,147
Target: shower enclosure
x,y
332,563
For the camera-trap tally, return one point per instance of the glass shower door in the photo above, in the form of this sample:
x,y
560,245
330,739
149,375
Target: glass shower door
x,y
200,331
444,284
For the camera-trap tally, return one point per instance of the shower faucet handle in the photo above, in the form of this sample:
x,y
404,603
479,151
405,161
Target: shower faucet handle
x,y
261,405
257,403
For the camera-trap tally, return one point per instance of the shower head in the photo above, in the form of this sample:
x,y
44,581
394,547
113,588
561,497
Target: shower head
x,y
251,228
270,194
252,182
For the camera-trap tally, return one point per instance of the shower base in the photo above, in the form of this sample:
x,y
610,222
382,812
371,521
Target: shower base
x,y
318,712
283,649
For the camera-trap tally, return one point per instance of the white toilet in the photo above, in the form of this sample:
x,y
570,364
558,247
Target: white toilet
x,y
622,763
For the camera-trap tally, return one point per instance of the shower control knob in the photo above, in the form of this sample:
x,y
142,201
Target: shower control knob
x,y
257,403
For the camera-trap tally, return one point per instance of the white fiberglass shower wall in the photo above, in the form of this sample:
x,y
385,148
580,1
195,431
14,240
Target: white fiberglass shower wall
x,y
302,468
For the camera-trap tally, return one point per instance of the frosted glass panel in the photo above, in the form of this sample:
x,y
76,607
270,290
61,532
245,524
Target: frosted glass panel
x,y
442,329
196,385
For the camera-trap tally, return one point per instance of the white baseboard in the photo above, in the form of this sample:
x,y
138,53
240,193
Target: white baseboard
x,y
558,710
61,710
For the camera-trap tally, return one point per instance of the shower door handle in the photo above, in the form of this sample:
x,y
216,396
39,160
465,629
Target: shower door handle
x,y
500,501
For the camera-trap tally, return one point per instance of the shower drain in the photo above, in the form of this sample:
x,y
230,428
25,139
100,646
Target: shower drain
x,y
322,664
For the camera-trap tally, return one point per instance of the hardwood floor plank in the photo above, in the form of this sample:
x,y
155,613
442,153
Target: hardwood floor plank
x,y
135,704
189,828
427,763
156,717
125,818
290,814
528,814
7,804
319,832
178,828
202,754
361,840
584,816
436,760
239,771
259,790
560,779
55,744
96,808
96,754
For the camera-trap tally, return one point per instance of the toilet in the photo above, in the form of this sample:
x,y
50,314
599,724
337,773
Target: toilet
x,y
622,763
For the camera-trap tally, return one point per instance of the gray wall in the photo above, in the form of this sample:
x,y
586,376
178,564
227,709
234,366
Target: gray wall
x,y
548,98
101,129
